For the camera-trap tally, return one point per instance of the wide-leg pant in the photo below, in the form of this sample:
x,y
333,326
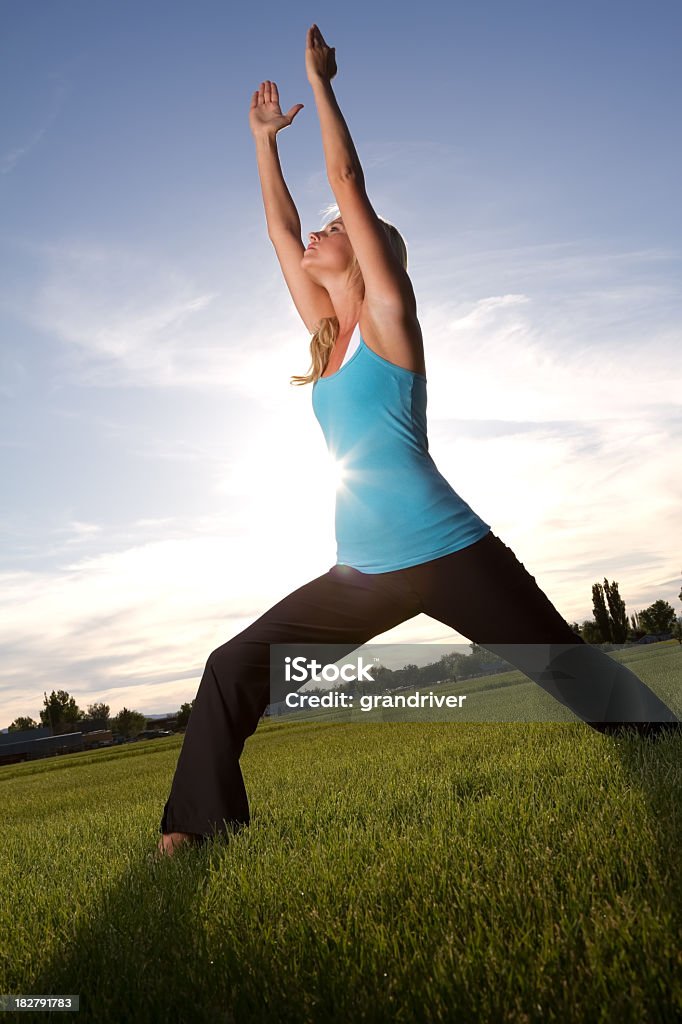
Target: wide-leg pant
x,y
482,591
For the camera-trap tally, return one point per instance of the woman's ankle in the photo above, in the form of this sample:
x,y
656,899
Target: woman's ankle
x,y
169,841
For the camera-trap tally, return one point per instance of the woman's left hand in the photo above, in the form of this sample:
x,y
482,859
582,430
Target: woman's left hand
x,y
320,59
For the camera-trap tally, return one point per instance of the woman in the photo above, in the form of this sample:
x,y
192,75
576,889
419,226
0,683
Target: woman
x,y
406,541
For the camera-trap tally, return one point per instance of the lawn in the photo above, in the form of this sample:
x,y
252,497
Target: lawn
x,y
392,871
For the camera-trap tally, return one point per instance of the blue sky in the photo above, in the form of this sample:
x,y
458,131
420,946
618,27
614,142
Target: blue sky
x,y
164,484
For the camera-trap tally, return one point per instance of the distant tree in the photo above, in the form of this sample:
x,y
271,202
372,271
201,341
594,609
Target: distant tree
x,y
22,723
590,632
601,614
183,714
354,687
61,712
676,626
407,675
128,723
636,625
98,713
482,653
659,617
475,664
383,679
451,664
617,615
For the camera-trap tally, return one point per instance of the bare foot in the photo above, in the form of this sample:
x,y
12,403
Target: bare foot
x,y
170,841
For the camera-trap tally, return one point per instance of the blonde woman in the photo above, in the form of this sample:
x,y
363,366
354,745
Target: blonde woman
x,y
407,543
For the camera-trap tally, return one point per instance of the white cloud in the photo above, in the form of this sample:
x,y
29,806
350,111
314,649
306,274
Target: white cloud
x,y
123,319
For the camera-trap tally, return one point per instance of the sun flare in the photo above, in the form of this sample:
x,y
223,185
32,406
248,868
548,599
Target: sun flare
x,y
337,472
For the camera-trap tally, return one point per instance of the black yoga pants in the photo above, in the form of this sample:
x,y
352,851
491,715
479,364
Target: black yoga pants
x,y
482,591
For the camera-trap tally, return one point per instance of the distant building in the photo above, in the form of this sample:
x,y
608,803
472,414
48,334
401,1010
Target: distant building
x,y
163,722
43,741
31,744
653,638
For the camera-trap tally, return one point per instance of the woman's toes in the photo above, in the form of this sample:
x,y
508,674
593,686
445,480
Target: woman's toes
x,y
170,841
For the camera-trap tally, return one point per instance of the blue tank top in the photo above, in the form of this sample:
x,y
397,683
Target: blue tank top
x,y
393,507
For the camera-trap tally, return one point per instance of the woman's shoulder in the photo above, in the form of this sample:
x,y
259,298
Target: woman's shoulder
x,y
394,334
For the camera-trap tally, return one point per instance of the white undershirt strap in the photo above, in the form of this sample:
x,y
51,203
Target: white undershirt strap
x,y
352,345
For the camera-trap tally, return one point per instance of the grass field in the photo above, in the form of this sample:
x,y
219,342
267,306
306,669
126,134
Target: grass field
x,y
393,871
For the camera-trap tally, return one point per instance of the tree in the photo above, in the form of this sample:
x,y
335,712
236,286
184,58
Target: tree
x,y
677,630
183,714
610,617
590,632
23,723
128,723
99,713
636,626
475,664
60,712
618,615
408,675
659,617
383,679
450,665
601,615
483,654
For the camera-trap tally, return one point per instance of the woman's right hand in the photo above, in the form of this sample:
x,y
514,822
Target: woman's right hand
x,y
265,115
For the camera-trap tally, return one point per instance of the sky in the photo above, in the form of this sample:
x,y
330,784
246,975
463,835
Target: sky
x,y
163,482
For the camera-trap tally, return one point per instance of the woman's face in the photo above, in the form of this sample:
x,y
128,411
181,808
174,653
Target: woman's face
x,y
329,250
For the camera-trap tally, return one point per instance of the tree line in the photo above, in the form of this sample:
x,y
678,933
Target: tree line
x,y
61,713
610,624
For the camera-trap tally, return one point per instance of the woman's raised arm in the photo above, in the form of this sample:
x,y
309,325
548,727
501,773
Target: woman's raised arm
x,y
284,224
388,289
340,153
265,120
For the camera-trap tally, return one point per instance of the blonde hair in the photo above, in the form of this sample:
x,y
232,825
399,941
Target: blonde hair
x,y
327,328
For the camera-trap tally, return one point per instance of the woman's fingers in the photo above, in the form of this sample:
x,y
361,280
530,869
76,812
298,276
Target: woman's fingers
x,y
266,92
320,58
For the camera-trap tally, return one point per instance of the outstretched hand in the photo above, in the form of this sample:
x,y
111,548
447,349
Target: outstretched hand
x,y
265,114
320,59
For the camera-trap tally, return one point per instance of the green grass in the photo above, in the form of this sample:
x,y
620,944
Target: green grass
x,y
391,872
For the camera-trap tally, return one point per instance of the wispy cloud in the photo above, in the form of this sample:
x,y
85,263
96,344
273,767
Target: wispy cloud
x,y
57,98
126,320
122,319
135,625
